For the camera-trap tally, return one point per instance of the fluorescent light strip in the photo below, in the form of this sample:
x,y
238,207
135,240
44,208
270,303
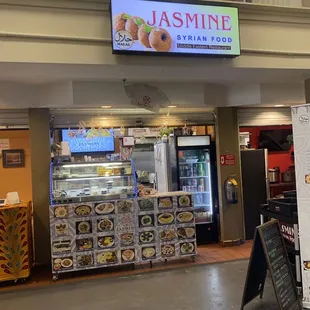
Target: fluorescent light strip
x,y
92,165
92,178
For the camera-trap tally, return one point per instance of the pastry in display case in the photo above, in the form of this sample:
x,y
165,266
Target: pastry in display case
x,y
92,181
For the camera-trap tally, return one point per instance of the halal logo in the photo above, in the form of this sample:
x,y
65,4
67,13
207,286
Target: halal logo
x,y
304,119
123,39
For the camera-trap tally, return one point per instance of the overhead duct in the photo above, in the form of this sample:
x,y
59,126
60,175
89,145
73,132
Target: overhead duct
x,y
64,118
14,119
264,116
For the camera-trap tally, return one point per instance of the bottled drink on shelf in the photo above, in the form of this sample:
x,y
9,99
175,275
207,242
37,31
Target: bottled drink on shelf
x,y
195,171
201,171
202,184
195,184
191,171
206,198
199,199
181,170
186,173
182,183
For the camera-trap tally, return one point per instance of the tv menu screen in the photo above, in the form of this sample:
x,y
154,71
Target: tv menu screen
x,y
89,140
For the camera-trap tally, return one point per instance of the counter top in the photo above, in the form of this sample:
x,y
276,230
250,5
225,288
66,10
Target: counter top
x,y
282,184
167,194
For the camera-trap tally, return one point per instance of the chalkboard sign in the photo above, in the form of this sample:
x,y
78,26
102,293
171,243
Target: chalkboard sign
x,y
269,252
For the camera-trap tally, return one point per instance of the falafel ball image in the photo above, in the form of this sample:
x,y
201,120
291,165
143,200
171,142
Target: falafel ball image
x,y
144,34
119,21
132,26
160,40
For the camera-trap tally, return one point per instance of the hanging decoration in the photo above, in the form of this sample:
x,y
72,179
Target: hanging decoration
x,y
186,131
145,96
93,132
122,130
142,139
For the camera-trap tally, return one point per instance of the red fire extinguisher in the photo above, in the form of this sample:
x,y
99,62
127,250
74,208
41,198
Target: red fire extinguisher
x,y
231,190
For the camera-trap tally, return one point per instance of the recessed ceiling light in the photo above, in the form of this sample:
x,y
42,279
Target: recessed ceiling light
x,y
172,106
279,105
106,107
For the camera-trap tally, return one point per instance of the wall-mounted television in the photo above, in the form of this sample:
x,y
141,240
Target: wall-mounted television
x,y
89,140
275,140
171,28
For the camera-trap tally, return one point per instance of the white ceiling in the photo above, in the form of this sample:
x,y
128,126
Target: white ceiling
x,y
217,72
192,88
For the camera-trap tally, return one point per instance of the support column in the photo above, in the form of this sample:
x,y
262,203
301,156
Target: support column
x,y
39,124
227,143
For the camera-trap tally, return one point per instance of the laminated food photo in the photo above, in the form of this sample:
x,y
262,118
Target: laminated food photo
x,y
125,231
134,28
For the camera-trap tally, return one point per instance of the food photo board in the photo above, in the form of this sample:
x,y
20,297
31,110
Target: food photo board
x,y
127,231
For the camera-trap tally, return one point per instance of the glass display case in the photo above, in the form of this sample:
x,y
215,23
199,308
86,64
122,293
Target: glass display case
x,y
91,181
195,177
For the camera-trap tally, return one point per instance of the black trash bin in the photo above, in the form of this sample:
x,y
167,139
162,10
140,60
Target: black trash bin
x,y
284,206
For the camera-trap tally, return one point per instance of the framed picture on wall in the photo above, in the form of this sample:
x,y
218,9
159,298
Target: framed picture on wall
x,y
13,158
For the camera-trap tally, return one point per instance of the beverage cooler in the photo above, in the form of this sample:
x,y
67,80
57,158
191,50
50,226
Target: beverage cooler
x,y
187,163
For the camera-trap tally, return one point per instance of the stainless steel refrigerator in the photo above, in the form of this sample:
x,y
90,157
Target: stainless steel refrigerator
x,y
187,163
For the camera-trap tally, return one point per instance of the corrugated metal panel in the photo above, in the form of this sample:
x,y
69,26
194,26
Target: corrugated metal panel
x,y
14,119
66,118
264,116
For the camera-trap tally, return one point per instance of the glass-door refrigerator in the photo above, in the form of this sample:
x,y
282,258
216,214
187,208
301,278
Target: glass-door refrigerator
x,y
196,173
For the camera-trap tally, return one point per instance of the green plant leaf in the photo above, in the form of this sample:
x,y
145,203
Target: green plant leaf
x,y
126,16
147,28
166,131
138,21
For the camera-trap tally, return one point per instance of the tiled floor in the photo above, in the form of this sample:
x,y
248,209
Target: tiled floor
x,y
204,287
207,254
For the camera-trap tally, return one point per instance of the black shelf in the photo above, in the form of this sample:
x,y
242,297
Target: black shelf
x,y
281,218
